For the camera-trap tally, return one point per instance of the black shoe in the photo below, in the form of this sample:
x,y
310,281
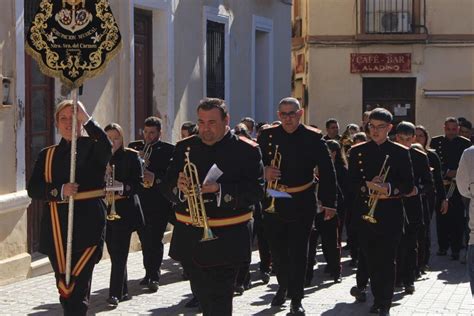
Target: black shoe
x,y
374,309
337,279
113,301
296,308
193,303
409,289
307,282
398,284
153,286
265,277
384,311
239,290
144,281
353,263
346,247
360,295
279,298
125,298
441,252
455,256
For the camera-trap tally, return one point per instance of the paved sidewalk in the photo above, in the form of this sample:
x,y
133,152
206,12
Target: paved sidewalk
x,y
443,291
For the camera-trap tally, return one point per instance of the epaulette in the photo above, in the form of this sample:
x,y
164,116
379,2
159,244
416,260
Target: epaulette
x,y
313,129
50,146
271,127
358,144
438,137
186,139
464,139
248,141
418,150
136,142
130,150
400,145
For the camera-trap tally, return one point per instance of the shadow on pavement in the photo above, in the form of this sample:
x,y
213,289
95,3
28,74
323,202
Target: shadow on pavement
x,y
48,309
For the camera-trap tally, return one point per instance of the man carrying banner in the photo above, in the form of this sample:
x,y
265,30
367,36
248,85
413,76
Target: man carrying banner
x,y
50,182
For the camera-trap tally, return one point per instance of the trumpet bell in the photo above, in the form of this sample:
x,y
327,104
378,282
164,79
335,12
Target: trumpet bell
x,y
208,235
113,217
369,218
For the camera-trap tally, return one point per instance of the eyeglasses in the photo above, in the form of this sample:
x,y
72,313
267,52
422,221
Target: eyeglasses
x,y
291,114
377,127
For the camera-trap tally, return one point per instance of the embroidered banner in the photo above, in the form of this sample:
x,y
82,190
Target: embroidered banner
x,y
73,40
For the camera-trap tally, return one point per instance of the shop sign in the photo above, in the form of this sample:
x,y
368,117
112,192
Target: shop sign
x,y
381,63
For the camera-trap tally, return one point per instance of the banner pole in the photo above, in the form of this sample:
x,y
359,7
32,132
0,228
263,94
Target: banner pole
x,y
72,179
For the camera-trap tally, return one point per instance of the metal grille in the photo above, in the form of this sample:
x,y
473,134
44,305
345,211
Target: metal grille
x,y
391,16
215,60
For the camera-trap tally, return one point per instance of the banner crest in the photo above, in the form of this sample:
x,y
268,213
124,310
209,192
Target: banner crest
x,y
73,40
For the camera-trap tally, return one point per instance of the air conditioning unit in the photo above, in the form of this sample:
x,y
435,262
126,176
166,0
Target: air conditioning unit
x,y
388,22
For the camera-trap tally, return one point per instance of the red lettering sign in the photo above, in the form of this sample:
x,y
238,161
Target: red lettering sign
x,y
388,63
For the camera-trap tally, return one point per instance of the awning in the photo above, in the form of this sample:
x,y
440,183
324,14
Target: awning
x,y
447,93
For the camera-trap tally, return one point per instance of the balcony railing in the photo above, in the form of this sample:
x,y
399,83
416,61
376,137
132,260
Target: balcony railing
x,y
391,16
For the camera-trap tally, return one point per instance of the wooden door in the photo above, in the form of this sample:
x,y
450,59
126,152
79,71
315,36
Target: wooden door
x,y
143,69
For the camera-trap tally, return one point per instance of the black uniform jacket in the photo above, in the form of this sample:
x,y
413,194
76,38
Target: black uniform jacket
x,y
301,151
241,187
449,151
154,205
424,183
128,170
93,153
365,162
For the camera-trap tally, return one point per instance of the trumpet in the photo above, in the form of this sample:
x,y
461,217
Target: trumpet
x,y
276,161
145,155
111,196
374,196
196,208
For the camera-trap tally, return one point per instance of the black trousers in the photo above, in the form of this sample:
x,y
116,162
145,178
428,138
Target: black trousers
x,y
329,232
421,242
151,236
289,248
78,303
263,245
407,256
118,242
362,274
380,252
451,226
213,287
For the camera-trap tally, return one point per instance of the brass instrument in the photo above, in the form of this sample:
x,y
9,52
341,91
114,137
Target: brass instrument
x,y
145,155
374,196
273,185
196,208
110,196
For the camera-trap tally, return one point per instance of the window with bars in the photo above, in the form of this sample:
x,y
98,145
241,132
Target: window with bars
x,y
215,59
391,16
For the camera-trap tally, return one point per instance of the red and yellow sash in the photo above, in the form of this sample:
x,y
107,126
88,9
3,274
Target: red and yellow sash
x,y
64,291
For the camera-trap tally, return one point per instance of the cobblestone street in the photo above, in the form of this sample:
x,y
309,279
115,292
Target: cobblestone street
x,y
443,291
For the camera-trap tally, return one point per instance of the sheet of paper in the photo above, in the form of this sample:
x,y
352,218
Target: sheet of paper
x,y
213,174
278,194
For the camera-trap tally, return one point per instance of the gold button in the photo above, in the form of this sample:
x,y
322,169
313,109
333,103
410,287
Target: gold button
x,y
361,170
270,153
366,201
360,162
363,177
360,154
269,144
270,135
188,149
